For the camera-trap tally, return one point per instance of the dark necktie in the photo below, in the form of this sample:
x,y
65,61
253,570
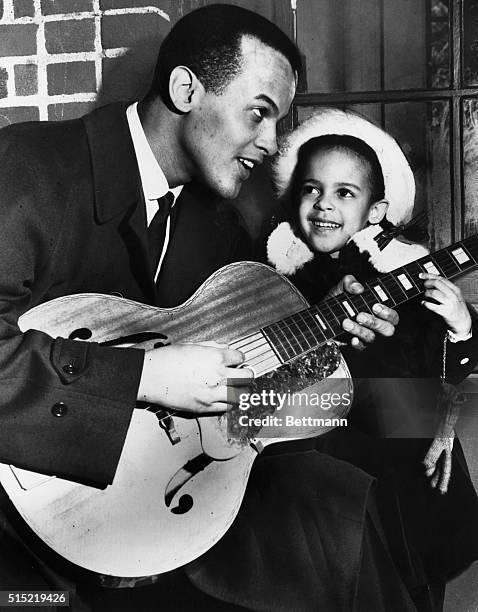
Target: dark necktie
x,y
157,229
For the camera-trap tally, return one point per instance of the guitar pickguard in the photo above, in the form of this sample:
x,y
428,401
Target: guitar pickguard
x,y
303,373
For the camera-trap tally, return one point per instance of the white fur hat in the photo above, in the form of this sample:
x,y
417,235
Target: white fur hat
x,y
397,174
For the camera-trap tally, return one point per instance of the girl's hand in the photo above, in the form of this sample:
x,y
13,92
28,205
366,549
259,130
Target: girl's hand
x,y
447,302
438,462
366,326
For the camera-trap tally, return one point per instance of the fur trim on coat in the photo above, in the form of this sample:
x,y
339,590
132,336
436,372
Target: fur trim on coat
x,y
288,253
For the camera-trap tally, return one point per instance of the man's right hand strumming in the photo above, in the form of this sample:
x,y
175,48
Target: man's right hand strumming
x,y
193,378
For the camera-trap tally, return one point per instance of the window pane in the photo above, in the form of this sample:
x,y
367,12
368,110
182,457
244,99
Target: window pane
x,y
405,56
422,129
470,42
341,43
369,111
369,45
470,165
439,52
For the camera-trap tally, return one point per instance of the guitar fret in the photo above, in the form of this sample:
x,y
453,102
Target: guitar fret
x,y
393,287
273,333
410,285
430,266
348,306
404,281
292,324
332,321
447,263
436,263
414,270
311,340
291,339
460,255
360,303
369,297
380,291
463,257
313,327
339,311
322,319
307,332
471,245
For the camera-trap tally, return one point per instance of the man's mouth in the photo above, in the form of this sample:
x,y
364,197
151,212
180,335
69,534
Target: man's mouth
x,y
248,163
325,224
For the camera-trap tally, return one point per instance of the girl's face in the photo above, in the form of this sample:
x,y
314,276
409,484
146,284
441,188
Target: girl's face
x,y
335,200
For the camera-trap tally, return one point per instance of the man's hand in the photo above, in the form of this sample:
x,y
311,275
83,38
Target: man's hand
x,y
447,302
437,462
193,378
366,325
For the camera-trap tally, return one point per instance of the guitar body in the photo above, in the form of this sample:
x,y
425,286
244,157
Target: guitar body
x,y
180,481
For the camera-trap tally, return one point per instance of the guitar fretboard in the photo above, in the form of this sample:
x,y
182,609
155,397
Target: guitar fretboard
x,y
312,327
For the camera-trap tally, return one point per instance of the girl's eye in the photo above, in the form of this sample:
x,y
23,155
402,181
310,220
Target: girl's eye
x,y
345,193
310,190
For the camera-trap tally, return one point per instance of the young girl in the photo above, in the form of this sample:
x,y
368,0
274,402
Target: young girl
x,y
346,185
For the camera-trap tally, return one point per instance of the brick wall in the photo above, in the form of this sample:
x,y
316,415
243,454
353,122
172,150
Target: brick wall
x,y
59,58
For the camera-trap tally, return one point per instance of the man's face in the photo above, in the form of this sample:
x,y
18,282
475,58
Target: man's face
x,y
226,135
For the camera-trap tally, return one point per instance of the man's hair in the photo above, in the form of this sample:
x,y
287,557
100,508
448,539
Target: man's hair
x,y
208,41
350,144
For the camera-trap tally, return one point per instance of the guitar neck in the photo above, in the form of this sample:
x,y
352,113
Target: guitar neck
x,y
314,326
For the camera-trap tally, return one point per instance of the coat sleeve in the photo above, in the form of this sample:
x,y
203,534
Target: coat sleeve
x,y
53,419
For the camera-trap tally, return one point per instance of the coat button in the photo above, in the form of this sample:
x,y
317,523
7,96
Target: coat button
x,y
69,369
59,409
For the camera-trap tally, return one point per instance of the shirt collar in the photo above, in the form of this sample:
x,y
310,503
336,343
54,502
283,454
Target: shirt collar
x,y
153,180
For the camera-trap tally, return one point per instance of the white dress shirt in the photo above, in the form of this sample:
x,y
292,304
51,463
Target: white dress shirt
x,y
153,181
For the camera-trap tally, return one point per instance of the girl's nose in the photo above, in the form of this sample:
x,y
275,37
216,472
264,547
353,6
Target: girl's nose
x,y
324,202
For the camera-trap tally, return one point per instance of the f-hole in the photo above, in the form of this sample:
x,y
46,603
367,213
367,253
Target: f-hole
x,y
82,333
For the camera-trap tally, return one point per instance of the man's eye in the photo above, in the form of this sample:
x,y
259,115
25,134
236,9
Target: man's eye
x,y
258,114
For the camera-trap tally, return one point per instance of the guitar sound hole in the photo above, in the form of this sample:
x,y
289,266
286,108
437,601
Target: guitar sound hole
x,y
185,504
83,333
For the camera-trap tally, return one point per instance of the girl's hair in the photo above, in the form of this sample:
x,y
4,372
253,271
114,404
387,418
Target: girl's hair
x,y
334,142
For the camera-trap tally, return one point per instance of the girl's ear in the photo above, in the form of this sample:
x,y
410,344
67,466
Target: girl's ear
x,y
377,211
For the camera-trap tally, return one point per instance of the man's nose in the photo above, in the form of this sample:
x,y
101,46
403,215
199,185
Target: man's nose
x,y
267,140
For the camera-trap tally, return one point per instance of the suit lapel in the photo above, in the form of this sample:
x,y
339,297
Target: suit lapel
x,y
202,238
117,185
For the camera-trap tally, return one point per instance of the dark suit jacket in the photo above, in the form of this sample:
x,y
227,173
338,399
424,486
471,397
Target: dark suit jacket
x,y
73,220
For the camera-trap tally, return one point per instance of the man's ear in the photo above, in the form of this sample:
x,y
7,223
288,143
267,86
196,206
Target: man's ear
x,y
377,211
184,88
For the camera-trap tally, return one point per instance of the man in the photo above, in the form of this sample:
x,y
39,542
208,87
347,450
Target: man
x,y
77,201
